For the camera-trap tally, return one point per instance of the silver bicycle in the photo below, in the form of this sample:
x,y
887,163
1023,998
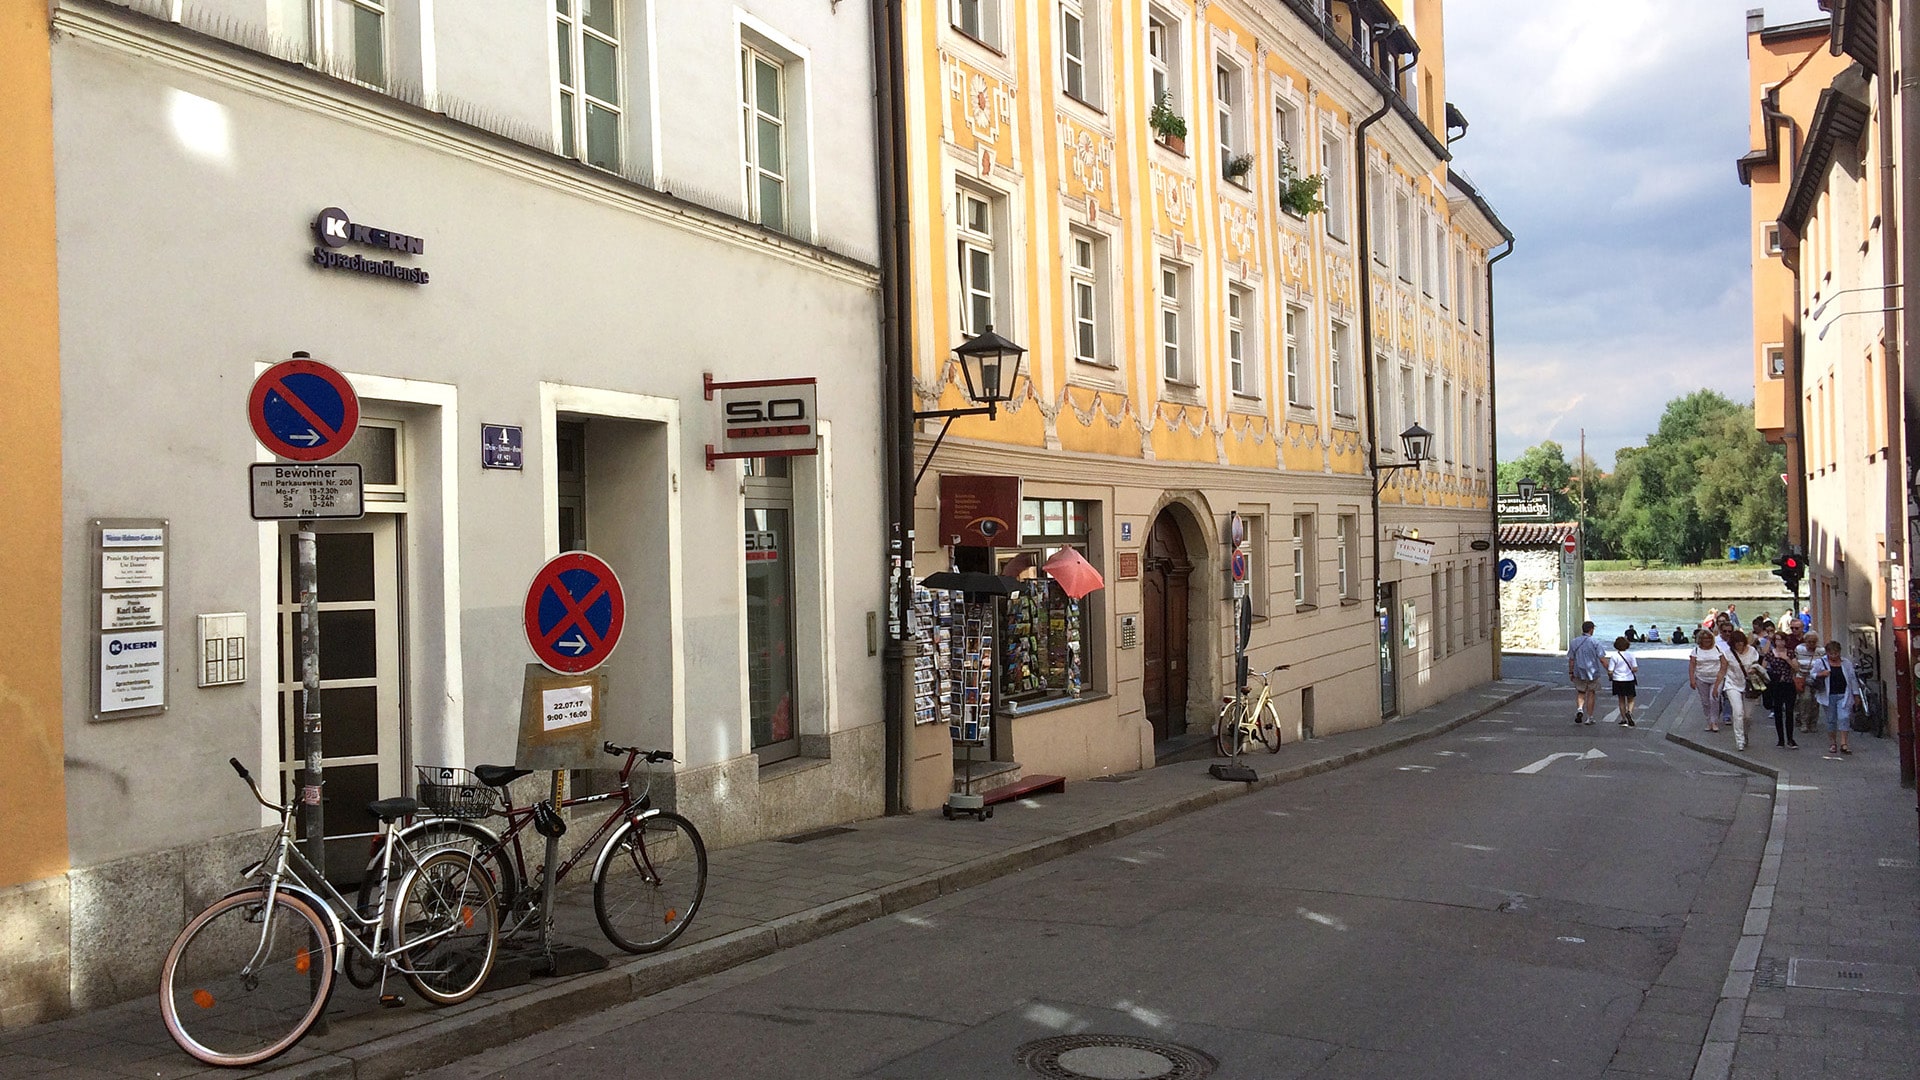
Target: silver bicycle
x,y
250,975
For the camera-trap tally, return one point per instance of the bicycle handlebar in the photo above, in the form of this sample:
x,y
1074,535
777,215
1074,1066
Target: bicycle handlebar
x,y
652,756
255,788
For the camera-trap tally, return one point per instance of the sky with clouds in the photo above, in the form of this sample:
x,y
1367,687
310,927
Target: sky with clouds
x,y
1604,135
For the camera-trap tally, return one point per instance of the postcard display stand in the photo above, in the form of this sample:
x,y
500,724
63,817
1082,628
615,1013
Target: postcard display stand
x,y
1042,642
953,679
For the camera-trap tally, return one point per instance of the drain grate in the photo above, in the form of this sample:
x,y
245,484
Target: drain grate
x,y
1113,1057
1770,975
817,834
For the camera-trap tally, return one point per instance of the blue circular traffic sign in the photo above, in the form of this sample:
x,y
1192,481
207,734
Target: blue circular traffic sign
x,y
1508,569
575,611
304,410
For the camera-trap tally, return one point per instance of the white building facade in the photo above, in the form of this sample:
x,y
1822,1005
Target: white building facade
x,y
576,245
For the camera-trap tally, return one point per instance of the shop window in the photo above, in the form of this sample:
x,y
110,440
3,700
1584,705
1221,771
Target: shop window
x,y
1044,632
768,546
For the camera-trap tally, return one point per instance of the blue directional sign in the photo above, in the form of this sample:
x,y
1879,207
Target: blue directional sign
x,y
303,410
575,612
1508,569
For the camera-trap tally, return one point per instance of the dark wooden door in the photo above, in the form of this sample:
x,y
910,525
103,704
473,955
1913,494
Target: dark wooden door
x,y
1164,611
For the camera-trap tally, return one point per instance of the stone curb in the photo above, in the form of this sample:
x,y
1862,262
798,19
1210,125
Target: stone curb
x,y
458,1034
1729,1014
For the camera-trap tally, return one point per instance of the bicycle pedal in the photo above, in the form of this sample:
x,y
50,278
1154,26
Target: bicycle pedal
x,y
392,1001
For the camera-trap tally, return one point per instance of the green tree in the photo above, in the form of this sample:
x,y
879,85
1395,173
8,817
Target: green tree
x,y
1546,464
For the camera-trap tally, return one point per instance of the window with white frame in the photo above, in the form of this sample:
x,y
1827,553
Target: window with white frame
x,y
1303,560
353,39
1770,238
1296,357
1403,235
589,73
1377,223
1173,324
1226,97
1409,414
1340,369
1460,284
1074,74
1239,307
1440,263
1286,142
1163,59
1333,189
1383,393
1448,432
1430,405
1479,428
1426,258
1473,296
1086,283
1463,436
1776,361
763,108
978,19
1347,527
974,217
1258,597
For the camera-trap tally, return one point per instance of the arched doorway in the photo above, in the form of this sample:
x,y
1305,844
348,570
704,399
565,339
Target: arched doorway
x,y
1163,590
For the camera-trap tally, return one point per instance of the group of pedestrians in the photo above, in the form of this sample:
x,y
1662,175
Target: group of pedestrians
x,y
1798,681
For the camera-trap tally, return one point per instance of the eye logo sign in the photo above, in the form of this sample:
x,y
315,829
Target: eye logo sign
x,y
988,527
334,229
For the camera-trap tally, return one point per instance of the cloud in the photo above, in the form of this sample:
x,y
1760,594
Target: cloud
x,y
1605,135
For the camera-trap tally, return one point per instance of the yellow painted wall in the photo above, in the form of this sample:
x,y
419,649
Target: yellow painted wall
x,y
1800,66
33,796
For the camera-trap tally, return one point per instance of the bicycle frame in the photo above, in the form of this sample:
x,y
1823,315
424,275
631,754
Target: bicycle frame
x,y
631,809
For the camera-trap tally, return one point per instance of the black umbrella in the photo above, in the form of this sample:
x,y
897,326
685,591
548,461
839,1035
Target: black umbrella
x,y
972,581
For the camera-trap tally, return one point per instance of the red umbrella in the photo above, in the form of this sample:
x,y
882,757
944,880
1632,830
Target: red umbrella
x,y
1076,575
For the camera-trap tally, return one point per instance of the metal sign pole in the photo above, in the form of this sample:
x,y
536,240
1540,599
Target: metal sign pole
x,y
549,878
313,814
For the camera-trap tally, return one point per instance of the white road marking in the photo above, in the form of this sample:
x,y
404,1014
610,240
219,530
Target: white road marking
x,y
1572,940
1591,755
1416,768
1323,920
1474,847
1799,787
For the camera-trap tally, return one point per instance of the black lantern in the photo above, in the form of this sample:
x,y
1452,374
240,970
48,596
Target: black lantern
x,y
1527,487
989,364
1417,443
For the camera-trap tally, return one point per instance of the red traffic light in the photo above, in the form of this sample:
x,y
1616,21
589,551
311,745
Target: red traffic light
x,y
1790,563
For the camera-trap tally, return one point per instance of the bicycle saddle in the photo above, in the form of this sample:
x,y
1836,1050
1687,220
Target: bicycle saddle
x,y
499,775
390,810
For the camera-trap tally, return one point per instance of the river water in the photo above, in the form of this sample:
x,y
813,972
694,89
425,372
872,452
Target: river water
x,y
1612,617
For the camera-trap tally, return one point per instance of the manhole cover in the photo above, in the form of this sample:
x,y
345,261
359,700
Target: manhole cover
x,y
1841,975
1112,1057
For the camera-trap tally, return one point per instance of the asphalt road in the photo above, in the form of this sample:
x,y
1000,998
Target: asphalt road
x,y
1435,912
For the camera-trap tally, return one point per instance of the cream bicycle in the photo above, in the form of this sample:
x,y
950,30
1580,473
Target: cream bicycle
x,y
1244,720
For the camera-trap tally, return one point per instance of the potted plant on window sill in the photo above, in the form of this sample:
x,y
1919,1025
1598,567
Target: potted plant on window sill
x,y
1300,195
1237,168
1168,126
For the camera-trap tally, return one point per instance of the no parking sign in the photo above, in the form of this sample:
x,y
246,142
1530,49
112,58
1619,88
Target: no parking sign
x,y
575,611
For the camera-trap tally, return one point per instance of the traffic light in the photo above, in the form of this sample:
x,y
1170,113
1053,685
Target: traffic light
x,y
1789,566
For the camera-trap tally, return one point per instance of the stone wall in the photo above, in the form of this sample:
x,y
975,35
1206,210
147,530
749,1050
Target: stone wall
x,y
1530,604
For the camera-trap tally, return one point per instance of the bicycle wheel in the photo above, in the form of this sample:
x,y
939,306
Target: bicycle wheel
x,y
1229,728
649,881
245,979
445,927
430,835
1270,729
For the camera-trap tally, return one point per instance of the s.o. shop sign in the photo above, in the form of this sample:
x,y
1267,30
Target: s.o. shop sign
x,y
764,418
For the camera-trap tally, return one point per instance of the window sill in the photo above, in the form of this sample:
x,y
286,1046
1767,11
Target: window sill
x,y
1300,414
1085,104
1351,601
1300,607
785,767
1345,422
982,42
1172,144
1180,393
1052,704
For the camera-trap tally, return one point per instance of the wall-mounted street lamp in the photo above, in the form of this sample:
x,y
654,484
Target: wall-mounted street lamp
x,y
1527,488
1417,443
989,364
1818,311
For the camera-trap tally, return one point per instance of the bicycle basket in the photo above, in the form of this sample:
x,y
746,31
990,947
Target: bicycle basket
x,y
444,791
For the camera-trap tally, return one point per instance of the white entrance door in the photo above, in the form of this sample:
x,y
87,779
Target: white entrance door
x,y
360,678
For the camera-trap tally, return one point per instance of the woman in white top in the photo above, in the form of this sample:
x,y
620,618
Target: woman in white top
x,y
1625,671
1703,675
1743,691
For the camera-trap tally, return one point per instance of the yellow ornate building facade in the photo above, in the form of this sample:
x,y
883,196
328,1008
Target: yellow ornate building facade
x,y
1126,188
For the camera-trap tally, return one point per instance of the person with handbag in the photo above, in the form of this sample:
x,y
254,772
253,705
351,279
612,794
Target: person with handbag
x,y
1806,707
1744,680
1703,676
1838,687
1624,670
1782,689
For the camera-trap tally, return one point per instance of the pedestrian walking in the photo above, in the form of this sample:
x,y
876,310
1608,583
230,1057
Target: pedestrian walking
x,y
1806,707
1782,689
1584,660
1703,675
1625,672
1839,687
1744,680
